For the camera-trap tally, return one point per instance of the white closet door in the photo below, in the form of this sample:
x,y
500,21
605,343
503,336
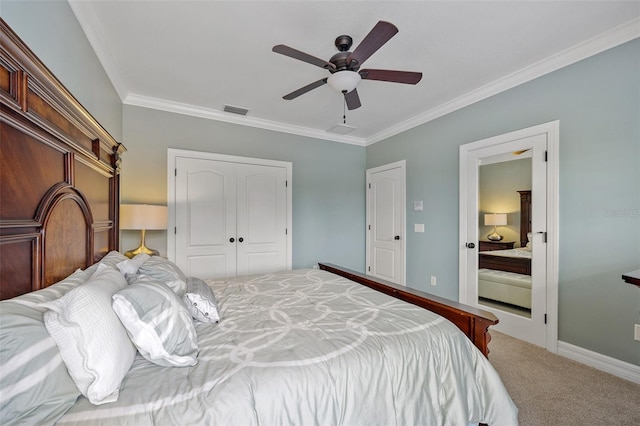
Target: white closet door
x,y
206,217
261,219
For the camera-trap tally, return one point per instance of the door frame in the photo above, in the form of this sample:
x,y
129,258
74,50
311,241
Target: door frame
x,y
552,131
173,154
402,164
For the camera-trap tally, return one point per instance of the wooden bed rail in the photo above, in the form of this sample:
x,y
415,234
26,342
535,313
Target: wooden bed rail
x,y
473,322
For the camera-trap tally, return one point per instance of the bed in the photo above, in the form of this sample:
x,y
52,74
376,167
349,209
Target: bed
x,y
315,346
505,275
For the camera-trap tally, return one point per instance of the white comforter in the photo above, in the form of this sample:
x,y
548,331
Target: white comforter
x,y
308,347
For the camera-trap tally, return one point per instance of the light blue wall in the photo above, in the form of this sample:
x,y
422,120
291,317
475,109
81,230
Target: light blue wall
x,y
328,179
597,102
53,33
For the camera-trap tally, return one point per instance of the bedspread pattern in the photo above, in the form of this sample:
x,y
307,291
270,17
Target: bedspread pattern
x,y
309,347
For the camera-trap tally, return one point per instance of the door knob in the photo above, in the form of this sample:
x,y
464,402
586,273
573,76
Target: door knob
x,y
397,237
470,245
231,239
241,239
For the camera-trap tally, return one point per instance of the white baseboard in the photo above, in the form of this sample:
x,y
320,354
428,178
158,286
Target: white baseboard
x,y
601,362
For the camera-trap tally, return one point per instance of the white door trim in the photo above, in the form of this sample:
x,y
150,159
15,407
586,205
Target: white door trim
x,y
402,165
552,130
173,154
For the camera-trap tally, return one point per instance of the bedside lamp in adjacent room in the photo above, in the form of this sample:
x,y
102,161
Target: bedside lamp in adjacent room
x,y
495,219
144,217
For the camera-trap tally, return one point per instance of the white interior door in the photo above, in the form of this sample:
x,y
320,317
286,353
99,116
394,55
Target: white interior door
x,y
262,219
386,222
205,217
537,141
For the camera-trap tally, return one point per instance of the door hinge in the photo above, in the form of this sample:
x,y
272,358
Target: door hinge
x,y
544,237
369,227
286,183
546,156
286,231
545,318
369,186
175,229
369,268
175,172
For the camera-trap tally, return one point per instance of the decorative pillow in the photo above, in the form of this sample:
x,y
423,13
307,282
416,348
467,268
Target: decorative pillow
x,y
165,271
158,323
131,266
93,343
200,301
35,386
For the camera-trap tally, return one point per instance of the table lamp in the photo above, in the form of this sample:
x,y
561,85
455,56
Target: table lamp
x,y
495,219
143,217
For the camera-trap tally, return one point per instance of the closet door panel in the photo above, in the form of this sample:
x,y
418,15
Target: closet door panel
x,y
261,219
206,217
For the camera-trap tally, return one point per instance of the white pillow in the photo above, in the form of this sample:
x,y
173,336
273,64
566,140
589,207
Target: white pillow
x,y
35,386
158,323
93,343
131,266
200,301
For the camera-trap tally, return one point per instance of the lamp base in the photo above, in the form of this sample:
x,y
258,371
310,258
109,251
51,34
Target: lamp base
x,y
142,249
494,237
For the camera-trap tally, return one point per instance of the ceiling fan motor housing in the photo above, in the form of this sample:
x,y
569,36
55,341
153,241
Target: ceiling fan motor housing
x,y
344,42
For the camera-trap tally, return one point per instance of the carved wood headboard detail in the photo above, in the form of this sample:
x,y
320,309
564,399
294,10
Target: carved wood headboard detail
x,y
59,176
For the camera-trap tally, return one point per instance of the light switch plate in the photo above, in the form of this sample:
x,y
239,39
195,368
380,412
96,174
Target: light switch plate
x,y
417,206
418,227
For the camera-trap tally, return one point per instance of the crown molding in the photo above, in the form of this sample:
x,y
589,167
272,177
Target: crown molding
x,y
213,114
607,40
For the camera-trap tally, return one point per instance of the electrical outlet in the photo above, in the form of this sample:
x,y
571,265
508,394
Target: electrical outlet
x,y
636,334
433,280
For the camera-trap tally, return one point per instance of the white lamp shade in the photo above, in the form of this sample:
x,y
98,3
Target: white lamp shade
x,y
495,219
143,216
344,81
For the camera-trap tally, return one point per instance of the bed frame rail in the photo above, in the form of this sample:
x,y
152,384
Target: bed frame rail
x,y
473,322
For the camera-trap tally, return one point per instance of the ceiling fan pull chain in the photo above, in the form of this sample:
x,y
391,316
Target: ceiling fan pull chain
x,y
344,111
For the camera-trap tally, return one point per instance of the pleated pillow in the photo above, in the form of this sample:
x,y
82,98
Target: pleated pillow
x,y
200,301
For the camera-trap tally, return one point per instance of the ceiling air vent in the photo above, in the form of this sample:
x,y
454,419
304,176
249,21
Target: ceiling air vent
x,y
341,129
235,110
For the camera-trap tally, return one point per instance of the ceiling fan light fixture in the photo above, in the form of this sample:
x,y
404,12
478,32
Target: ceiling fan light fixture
x,y
344,81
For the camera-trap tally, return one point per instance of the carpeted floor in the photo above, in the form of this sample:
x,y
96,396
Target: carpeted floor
x,y
552,390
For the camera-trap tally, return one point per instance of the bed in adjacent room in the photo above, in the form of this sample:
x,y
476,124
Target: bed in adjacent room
x,y
505,275
88,336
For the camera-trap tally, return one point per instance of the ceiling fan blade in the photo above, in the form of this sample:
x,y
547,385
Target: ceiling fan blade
x,y
406,77
305,89
352,99
378,36
301,56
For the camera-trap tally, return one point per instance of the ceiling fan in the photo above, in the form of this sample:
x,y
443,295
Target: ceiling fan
x,y
344,66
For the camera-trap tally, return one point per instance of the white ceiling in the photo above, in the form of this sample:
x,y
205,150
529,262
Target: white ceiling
x,y
194,57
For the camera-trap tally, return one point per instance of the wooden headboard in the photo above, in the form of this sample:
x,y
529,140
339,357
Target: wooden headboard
x,y
525,216
59,176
